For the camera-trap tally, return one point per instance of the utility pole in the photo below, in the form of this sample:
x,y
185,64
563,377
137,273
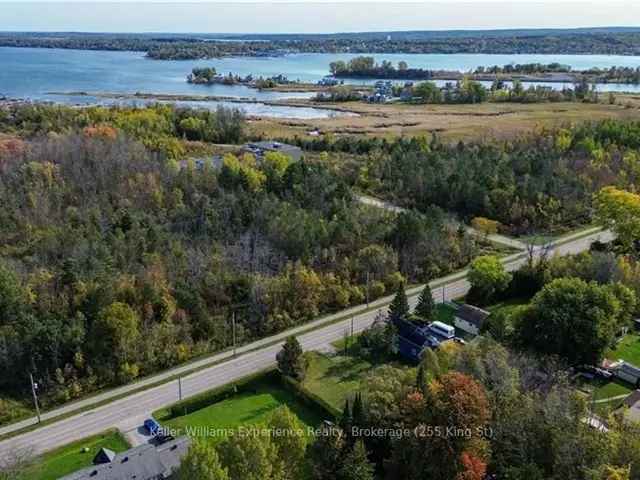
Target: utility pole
x,y
233,321
180,389
34,391
367,288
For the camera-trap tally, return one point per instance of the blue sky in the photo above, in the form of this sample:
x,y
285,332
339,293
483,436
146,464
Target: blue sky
x,y
307,16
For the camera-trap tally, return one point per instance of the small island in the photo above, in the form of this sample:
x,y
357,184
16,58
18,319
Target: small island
x,y
209,76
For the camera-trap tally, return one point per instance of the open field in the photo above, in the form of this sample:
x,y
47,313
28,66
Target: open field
x,y
70,458
451,122
253,406
628,349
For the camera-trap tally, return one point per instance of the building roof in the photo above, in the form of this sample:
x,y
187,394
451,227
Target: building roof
x,y
413,339
104,456
632,404
628,368
632,398
471,314
146,462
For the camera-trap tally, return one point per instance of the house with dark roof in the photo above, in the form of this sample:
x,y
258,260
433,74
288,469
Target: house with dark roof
x,y
413,339
626,371
145,462
470,318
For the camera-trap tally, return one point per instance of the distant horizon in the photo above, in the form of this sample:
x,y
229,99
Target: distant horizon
x,y
355,32
308,17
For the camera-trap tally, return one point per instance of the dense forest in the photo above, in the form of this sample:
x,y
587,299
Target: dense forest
x,y
180,47
116,260
540,182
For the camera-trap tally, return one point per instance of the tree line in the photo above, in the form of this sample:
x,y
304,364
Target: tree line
x,y
190,48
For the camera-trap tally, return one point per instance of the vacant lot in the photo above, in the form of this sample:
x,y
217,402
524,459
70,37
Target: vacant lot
x,y
451,122
72,457
510,307
258,400
334,378
628,349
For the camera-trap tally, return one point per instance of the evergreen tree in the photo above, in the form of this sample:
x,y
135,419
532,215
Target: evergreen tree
x,y
356,464
426,306
358,414
346,421
291,361
399,307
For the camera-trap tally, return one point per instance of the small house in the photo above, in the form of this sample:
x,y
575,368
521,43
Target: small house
x,y
413,339
631,406
145,462
470,319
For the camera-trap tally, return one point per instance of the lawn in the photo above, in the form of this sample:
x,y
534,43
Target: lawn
x,y
70,458
613,388
509,307
444,313
335,378
628,349
259,399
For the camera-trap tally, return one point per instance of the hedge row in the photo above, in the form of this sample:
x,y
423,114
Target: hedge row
x,y
310,398
203,400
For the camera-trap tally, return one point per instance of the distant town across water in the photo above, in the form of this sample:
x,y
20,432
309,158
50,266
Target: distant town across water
x,y
36,74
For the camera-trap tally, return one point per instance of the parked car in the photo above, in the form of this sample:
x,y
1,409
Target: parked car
x,y
152,426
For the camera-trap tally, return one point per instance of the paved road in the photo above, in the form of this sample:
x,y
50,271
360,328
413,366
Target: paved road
x,y
126,412
501,239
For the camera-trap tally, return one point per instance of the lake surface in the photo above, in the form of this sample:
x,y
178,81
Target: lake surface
x,y
33,73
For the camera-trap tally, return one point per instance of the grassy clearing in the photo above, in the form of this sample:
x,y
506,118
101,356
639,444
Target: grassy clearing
x,y
610,389
258,400
70,458
335,378
509,307
628,349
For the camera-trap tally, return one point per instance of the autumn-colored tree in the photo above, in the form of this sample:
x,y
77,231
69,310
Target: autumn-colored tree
x,y
485,226
455,403
473,468
619,210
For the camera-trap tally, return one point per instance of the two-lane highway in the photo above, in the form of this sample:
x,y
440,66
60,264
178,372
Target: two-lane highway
x,y
251,358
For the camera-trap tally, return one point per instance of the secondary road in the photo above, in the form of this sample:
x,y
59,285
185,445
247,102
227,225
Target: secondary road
x,y
251,358
494,237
